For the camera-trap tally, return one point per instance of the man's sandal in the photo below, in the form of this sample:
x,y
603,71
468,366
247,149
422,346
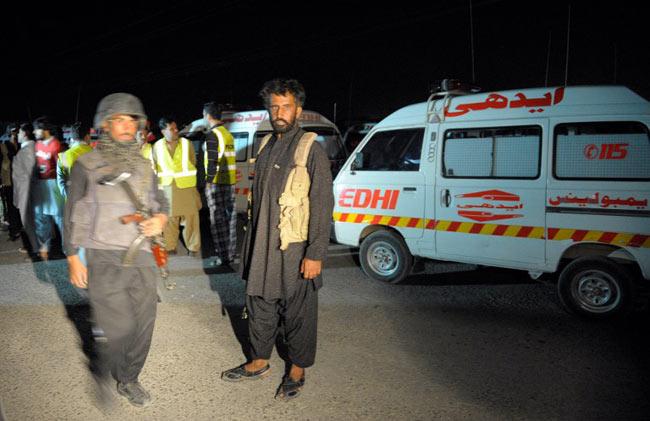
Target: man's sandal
x,y
240,373
289,388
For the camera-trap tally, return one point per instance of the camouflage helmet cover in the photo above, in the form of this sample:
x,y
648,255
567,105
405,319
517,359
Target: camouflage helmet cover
x,y
119,103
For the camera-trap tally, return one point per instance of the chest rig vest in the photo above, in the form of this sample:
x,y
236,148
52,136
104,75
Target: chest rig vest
x,y
294,200
96,217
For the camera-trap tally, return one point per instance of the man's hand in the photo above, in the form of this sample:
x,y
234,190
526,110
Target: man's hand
x,y
154,225
77,272
310,268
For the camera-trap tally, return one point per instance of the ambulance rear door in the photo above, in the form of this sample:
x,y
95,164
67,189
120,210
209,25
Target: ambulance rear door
x,y
600,185
490,192
382,185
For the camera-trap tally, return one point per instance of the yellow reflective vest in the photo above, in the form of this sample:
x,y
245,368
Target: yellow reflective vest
x,y
226,161
178,168
146,151
65,162
67,159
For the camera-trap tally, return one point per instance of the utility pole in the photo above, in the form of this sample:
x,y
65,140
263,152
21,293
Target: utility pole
x,y
615,62
350,102
568,38
471,37
76,114
548,58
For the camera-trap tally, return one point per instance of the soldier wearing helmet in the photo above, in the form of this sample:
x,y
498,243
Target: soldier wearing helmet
x,y
123,298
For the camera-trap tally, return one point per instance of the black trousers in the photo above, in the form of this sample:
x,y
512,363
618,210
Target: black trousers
x,y
297,316
123,301
11,214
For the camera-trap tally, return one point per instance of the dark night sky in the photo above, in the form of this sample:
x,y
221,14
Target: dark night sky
x,y
369,60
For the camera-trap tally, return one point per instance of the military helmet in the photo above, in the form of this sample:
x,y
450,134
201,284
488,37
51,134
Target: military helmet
x,y
119,103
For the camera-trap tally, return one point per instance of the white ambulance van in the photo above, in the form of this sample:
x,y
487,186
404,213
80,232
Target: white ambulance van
x,y
543,180
249,127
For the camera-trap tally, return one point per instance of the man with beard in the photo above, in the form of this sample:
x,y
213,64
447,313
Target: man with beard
x,y
123,297
286,241
221,176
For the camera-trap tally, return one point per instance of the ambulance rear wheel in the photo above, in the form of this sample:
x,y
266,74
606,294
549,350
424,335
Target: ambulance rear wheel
x,y
385,257
596,288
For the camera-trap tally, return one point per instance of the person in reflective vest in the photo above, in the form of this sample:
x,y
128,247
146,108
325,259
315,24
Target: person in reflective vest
x,y
79,138
175,164
221,176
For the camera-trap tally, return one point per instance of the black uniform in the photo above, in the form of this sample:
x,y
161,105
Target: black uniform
x,y
123,299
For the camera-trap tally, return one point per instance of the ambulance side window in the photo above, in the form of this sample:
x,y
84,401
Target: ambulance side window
x,y
241,143
492,152
393,150
610,150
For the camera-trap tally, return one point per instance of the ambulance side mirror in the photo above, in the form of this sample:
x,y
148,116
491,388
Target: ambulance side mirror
x,y
358,162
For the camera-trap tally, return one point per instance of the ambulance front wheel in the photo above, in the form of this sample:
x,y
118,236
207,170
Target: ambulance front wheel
x,y
595,287
385,257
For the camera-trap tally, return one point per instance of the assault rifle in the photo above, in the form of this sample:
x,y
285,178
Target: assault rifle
x,y
142,213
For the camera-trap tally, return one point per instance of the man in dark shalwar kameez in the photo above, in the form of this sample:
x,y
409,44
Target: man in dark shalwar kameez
x,y
282,285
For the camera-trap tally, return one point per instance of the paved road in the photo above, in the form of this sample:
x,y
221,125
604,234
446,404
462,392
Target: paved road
x,y
465,344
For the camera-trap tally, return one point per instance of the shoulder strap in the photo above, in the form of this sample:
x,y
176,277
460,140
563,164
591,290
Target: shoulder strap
x,y
263,143
304,146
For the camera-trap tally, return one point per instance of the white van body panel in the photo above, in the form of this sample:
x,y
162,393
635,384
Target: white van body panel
x,y
530,220
247,127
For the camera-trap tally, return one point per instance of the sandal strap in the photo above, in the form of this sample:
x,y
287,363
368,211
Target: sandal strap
x,y
289,383
241,371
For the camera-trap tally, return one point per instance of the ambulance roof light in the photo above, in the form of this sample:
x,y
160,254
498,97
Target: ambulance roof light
x,y
454,87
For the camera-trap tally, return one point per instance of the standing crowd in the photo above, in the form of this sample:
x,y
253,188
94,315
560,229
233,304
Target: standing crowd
x,y
82,193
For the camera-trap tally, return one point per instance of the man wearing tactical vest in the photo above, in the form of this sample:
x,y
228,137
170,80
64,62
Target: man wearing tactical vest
x,y
123,296
286,240
79,138
221,176
175,164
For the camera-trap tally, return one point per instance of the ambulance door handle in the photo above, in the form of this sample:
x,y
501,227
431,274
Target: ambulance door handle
x,y
446,197
409,188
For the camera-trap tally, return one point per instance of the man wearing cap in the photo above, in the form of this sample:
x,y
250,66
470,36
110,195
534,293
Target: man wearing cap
x,y
123,297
